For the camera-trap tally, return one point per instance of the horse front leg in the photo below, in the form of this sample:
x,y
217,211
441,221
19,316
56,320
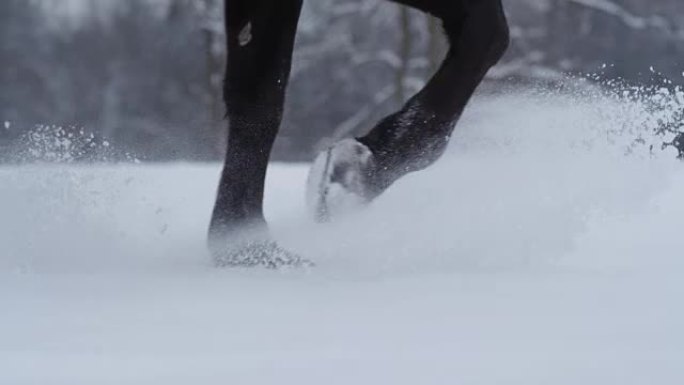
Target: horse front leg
x,y
417,135
353,172
260,35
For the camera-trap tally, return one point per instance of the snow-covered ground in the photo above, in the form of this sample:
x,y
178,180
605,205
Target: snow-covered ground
x,y
536,252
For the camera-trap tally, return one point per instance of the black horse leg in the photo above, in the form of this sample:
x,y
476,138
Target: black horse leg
x,y
260,37
416,136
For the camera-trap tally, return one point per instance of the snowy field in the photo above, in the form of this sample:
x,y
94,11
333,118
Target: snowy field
x,y
541,250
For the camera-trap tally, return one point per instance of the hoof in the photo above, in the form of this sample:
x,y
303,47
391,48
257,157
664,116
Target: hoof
x,y
339,180
266,254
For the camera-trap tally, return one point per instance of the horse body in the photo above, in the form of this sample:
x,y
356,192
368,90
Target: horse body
x,y
260,36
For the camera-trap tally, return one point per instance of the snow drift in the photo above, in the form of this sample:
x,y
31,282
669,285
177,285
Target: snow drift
x,y
544,248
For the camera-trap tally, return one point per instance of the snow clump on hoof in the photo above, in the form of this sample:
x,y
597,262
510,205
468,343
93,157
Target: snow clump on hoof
x,y
251,245
266,254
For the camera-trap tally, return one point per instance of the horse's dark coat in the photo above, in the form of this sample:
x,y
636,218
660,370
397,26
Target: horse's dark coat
x,y
261,36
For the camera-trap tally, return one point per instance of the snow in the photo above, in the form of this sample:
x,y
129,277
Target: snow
x,y
536,252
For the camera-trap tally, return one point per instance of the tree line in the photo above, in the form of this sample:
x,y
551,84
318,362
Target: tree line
x,y
147,74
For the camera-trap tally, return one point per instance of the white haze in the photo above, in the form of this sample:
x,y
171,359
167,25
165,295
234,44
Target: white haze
x,y
545,248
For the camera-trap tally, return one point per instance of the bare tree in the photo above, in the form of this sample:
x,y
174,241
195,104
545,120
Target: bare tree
x,y
211,16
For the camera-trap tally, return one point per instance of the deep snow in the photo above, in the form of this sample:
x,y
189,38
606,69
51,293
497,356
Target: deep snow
x,y
535,252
